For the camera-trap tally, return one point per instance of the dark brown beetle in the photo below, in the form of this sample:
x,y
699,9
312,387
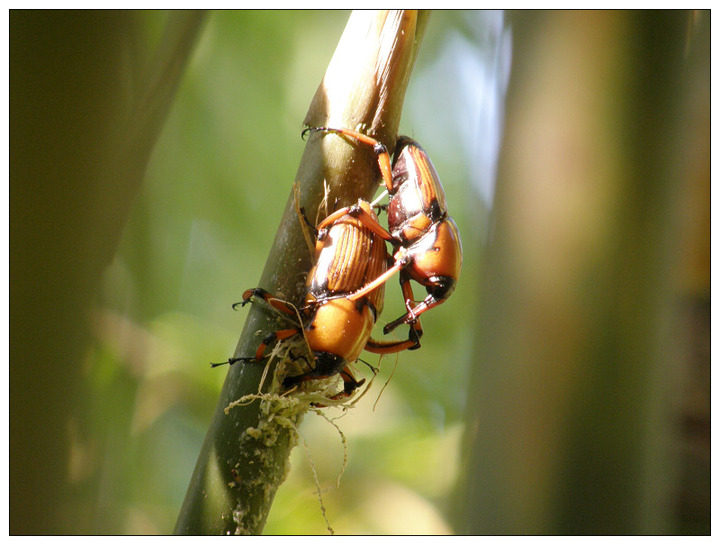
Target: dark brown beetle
x,y
425,238
348,255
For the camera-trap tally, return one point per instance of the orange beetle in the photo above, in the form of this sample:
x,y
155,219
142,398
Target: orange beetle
x,y
348,255
425,238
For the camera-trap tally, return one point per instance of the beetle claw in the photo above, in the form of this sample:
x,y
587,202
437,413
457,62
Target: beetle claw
x,y
230,361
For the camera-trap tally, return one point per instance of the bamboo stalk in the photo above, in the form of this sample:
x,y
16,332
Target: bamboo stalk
x,y
83,127
245,454
574,363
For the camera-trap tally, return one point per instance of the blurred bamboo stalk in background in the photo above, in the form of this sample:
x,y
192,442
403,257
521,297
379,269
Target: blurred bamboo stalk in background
x,y
690,497
87,104
236,477
574,398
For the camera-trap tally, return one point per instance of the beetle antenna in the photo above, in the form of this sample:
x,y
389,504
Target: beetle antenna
x,y
392,374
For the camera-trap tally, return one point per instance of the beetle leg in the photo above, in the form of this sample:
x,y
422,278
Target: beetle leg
x,y
269,298
305,224
407,290
230,361
269,338
332,218
383,157
303,215
410,316
392,347
438,294
369,221
380,207
359,213
401,259
351,383
279,335
367,288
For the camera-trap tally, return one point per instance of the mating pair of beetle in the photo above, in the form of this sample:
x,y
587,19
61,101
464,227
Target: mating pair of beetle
x,y
344,291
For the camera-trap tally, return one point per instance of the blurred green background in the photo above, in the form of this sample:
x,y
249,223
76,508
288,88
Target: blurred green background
x,y
114,360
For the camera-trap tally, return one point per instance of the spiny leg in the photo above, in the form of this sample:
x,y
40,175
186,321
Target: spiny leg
x,y
269,298
392,347
437,294
360,214
350,384
367,288
280,335
409,317
383,157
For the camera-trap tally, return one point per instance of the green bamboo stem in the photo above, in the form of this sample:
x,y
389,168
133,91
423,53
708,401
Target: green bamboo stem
x,y
245,454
